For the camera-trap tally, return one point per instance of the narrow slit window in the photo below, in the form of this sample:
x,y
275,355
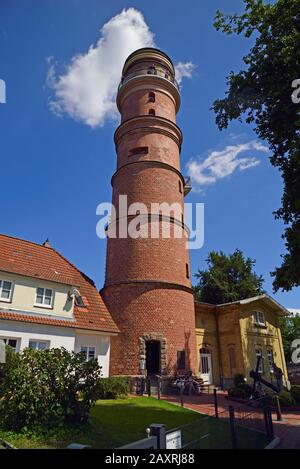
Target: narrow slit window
x,y
180,187
187,271
151,112
138,151
151,97
181,359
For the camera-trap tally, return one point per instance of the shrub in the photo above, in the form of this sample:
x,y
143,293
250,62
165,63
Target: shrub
x,y
243,391
113,387
295,392
43,389
286,398
239,378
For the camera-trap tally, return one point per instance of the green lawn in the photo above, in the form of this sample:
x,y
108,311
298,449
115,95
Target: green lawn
x,y
117,422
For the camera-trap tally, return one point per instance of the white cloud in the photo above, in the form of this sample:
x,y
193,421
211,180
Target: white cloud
x,y
220,164
87,90
184,70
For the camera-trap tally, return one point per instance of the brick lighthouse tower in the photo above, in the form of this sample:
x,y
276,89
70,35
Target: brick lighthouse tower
x,y
147,286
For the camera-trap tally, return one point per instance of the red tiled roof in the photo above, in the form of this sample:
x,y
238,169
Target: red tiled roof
x,y
34,260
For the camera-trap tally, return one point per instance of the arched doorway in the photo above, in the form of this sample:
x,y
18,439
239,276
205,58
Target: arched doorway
x,y
206,365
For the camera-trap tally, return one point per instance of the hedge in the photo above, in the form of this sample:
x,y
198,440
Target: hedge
x,y
113,387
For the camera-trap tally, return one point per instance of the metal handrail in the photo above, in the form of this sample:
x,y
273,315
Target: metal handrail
x,y
146,72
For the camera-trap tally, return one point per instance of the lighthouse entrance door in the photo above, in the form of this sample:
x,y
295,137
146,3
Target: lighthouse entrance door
x,y
153,356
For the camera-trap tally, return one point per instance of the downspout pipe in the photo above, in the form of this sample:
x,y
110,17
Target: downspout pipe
x,y
219,350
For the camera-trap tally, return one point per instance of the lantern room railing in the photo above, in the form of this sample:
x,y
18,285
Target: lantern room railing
x,y
149,71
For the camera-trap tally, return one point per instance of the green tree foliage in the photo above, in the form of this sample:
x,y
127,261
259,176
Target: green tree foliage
x,y
43,389
228,278
261,94
290,330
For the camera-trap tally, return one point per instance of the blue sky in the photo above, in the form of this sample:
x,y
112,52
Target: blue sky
x,y
55,169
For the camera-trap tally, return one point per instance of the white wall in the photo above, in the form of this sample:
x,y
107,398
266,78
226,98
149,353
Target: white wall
x,y
102,346
70,339
58,336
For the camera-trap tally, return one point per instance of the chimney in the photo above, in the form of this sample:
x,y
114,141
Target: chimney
x,y
47,244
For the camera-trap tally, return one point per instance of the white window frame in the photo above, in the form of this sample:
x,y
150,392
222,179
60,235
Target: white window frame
x,y
258,353
12,338
88,347
259,318
6,300
38,341
270,356
43,305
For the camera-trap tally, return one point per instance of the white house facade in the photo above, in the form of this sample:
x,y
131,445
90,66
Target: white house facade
x,y
46,302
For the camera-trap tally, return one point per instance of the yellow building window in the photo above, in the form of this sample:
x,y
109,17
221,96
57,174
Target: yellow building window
x,y
259,355
270,360
259,318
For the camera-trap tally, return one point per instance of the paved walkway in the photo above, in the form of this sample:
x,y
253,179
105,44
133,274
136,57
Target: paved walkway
x,y
288,430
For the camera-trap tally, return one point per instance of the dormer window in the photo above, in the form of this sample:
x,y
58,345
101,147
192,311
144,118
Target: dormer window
x,y
76,295
79,301
259,318
44,297
5,290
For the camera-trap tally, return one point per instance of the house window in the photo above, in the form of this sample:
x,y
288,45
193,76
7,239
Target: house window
x,y
138,151
181,359
187,271
261,365
39,344
89,352
151,97
44,297
151,112
259,318
13,343
5,290
270,360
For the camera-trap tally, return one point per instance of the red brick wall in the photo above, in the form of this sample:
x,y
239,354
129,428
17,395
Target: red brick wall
x,y
161,148
140,309
156,184
138,104
147,259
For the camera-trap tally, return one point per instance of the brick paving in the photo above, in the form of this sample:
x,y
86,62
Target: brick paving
x,y
288,430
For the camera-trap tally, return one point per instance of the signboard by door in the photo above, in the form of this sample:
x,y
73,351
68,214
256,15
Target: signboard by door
x,y
173,440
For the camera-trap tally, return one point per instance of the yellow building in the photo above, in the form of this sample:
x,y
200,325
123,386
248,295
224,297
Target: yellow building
x,y
231,336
